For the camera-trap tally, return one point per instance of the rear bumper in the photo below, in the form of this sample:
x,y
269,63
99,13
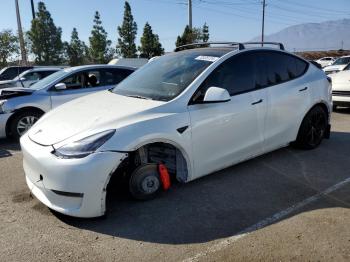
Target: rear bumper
x,y
343,100
75,187
3,122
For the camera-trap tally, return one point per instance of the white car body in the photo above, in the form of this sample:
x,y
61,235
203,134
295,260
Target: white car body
x,y
29,77
325,61
207,137
341,88
43,96
338,65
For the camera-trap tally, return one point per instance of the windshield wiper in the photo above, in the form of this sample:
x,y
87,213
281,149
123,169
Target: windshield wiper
x,y
140,97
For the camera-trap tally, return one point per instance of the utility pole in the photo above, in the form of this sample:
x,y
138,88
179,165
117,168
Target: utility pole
x,y
33,10
20,35
190,14
263,24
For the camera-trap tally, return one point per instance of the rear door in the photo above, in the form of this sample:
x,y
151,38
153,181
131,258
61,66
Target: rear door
x,y
288,97
228,132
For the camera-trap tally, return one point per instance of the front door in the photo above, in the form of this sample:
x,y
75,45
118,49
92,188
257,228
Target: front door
x,y
228,132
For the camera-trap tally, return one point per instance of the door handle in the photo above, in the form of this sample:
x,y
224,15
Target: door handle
x,y
257,102
303,89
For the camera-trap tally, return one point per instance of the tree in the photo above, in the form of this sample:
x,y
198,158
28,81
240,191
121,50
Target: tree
x,y
126,46
45,38
8,46
205,33
193,35
100,51
150,45
75,50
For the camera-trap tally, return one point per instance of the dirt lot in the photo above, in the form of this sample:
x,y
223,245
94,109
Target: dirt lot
x,y
286,205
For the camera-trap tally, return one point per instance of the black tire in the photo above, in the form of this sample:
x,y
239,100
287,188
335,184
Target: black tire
x,y
144,183
335,107
15,126
312,129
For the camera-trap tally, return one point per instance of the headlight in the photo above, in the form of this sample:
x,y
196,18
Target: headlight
x,y
2,102
85,146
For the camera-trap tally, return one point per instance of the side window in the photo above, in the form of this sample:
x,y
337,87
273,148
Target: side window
x,y
282,67
74,81
301,67
33,76
237,75
92,78
114,76
12,72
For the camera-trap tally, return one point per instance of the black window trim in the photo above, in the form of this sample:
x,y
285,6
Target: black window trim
x,y
191,102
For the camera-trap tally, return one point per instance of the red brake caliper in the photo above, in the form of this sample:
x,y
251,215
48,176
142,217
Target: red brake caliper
x,y
164,176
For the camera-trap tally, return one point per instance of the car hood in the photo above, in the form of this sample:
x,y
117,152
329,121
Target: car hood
x,y
92,113
6,83
334,67
11,92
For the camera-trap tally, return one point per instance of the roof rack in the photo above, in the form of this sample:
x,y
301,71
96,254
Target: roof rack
x,y
280,45
206,44
241,46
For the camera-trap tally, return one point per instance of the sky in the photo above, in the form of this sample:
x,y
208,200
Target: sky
x,y
228,20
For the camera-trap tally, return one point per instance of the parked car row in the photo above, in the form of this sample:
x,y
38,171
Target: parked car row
x,y
21,107
180,117
341,88
29,77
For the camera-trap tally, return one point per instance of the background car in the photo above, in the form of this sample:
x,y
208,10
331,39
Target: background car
x,y
341,88
190,112
338,65
29,77
325,61
20,108
9,73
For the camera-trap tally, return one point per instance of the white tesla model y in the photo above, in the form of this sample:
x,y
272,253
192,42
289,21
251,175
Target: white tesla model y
x,y
184,115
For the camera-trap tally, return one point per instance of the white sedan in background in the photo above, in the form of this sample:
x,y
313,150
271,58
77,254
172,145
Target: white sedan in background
x,y
341,88
325,61
180,117
338,65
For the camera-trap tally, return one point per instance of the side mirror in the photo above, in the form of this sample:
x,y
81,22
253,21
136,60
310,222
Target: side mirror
x,y
22,79
216,95
60,86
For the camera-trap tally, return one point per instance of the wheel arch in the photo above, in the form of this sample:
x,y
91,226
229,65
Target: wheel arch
x,y
321,104
18,111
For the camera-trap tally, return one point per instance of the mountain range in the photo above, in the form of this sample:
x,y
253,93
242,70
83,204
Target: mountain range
x,y
330,35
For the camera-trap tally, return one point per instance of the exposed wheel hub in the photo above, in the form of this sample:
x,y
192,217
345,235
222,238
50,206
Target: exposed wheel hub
x,y
150,184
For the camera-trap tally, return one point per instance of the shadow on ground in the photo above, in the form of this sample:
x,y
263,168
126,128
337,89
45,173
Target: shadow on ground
x,y
6,146
225,203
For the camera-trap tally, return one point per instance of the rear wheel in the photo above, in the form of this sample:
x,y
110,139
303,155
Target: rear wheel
x,y
22,122
312,129
144,182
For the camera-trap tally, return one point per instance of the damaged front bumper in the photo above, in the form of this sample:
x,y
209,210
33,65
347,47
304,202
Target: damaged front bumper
x,y
75,187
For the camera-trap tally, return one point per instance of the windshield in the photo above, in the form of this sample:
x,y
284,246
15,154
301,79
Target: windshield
x,y
48,80
166,77
342,61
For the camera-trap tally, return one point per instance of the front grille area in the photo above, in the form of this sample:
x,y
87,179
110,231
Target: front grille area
x,y
341,93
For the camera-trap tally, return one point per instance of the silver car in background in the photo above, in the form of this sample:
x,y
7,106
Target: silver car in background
x,y
20,108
